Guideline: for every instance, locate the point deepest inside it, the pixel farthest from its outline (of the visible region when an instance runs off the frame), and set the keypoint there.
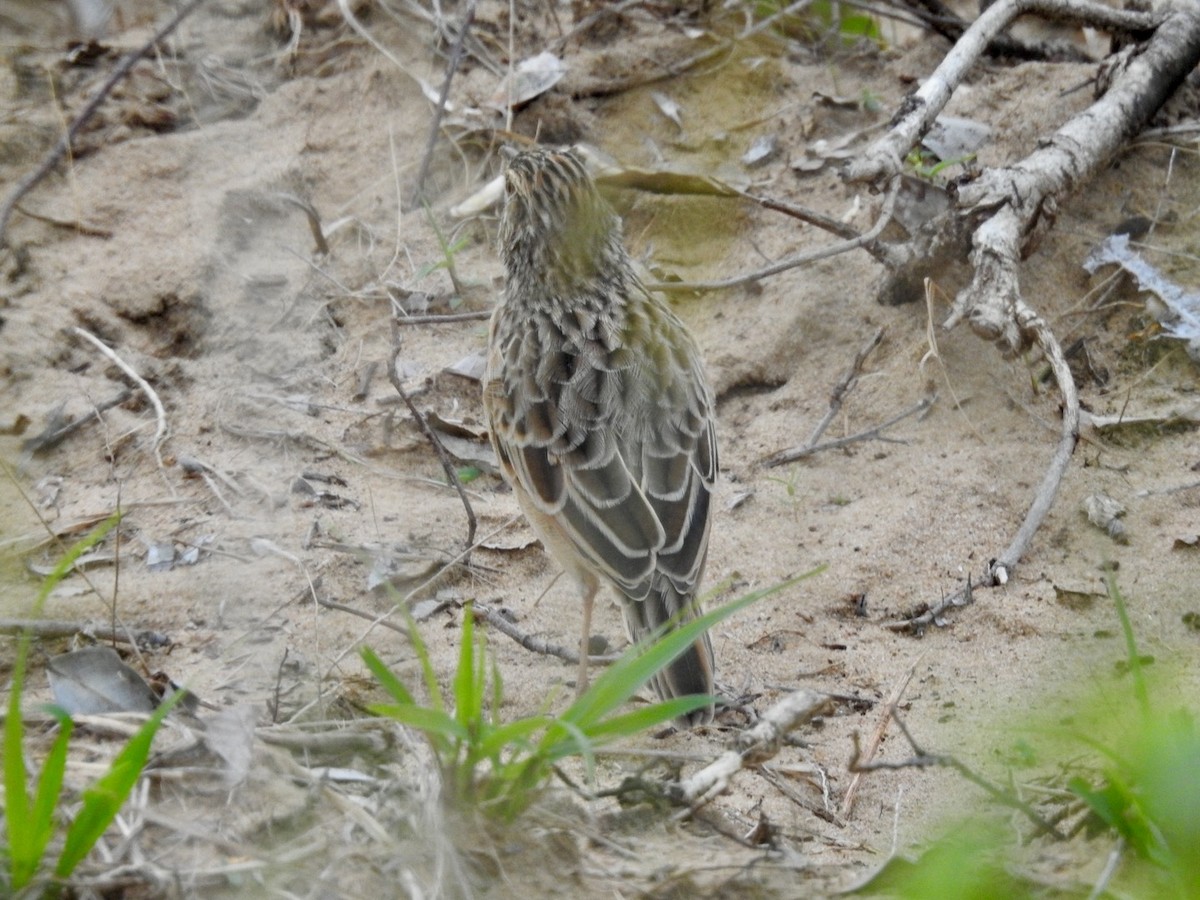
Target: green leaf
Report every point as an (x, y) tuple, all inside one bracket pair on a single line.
[(467, 474), (103, 799), (23, 861), (433, 722), (625, 677), (646, 717), (67, 563), (386, 677)]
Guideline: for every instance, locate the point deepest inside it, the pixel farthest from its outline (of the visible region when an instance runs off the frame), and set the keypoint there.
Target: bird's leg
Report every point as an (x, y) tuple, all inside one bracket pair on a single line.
[(589, 595)]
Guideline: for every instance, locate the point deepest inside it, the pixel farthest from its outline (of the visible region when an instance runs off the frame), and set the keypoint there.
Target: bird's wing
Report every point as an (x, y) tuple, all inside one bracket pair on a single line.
[(551, 403), (677, 444)]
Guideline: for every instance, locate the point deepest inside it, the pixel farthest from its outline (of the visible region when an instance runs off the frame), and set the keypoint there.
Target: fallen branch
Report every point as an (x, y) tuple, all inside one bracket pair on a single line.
[(919, 109), (1016, 202)]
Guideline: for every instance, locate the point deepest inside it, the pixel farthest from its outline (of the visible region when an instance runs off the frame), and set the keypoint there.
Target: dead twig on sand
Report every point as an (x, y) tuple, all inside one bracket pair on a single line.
[(836, 398), (921, 760), (964, 596), (456, 55), (58, 430), (752, 747), (501, 623), (889, 709), (394, 377), (871, 434), (435, 319), (63, 146), (866, 240), (161, 431), (59, 628)]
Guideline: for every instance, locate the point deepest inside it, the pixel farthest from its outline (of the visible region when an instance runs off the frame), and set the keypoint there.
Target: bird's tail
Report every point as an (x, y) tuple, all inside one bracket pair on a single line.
[(691, 672)]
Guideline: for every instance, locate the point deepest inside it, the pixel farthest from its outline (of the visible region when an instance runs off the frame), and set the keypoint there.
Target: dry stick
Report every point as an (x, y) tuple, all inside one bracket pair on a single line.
[(498, 621), (161, 432), (63, 146), (455, 59), (863, 240), (369, 616), (836, 398), (843, 387), (394, 377), (439, 319), (56, 628), (871, 434), (921, 759), (56, 432), (752, 747), (888, 711)]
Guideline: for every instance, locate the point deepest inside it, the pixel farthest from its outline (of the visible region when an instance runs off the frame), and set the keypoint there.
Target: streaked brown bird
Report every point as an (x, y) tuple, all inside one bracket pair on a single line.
[(600, 412)]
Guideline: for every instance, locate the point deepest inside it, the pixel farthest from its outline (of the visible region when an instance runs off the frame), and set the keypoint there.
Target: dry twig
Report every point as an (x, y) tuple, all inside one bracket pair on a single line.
[(394, 377), (161, 432), (752, 747), (501, 623), (865, 240), (921, 760), (455, 58), (57, 628), (889, 709), (871, 434)]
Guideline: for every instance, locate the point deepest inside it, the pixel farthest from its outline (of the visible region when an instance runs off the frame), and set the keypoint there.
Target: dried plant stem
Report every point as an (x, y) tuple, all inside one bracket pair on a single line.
[(161, 432), (443, 456), (885, 717), (752, 747)]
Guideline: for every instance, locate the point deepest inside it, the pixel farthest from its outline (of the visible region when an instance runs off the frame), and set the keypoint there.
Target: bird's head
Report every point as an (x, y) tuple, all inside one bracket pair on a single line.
[(556, 229)]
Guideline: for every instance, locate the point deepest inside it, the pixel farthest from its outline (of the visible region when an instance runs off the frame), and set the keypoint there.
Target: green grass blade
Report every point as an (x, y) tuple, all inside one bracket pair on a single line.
[(515, 734), (645, 717), (625, 677), (434, 723), (25, 844), (104, 798), (386, 677), (427, 673), (41, 822), (468, 694), (76, 550), (23, 861), (1140, 691)]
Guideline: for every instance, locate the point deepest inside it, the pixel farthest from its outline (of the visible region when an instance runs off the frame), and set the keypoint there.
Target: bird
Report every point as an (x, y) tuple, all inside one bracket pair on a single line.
[(600, 412)]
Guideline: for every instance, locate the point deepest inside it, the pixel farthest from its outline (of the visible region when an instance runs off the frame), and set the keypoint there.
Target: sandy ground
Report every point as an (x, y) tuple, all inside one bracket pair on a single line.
[(182, 249)]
